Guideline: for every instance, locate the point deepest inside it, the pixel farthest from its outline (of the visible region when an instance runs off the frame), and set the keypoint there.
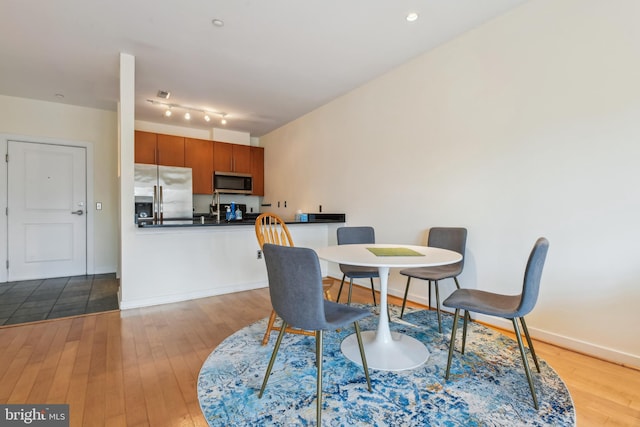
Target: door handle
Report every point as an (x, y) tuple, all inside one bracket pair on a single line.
[(78, 212)]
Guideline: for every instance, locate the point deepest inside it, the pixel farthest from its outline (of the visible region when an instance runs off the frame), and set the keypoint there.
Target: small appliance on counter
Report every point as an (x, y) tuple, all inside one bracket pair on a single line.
[(326, 217)]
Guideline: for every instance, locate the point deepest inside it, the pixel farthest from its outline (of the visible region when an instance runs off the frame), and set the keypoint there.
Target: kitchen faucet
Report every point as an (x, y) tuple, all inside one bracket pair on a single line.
[(215, 201)]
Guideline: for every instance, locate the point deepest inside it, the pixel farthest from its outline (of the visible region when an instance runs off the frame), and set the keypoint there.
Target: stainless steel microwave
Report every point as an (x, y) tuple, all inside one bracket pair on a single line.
[(230, 182)]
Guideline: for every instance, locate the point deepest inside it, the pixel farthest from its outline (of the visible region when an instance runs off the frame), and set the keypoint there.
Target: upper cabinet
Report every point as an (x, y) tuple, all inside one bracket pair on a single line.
[(204, 157), (257, 170), (159, 149), (145, 147), (170, 150), (198, 155), (231, 157)]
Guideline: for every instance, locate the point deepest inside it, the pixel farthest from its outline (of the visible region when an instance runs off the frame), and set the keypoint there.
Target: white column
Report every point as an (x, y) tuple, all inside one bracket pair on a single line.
[(126, 123)]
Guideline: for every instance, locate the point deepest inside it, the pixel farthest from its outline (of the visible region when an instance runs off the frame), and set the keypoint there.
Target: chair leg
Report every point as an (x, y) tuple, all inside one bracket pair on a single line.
[(340, 290), (533, 352), (327, 284), (319, 380), (525, 362), (373, 292), (429, 295), (350, 290), (438, 306), (457, 284), (464, 329), (362, 355), (272, 319), (452, 342), (273, 358), (406, 292)]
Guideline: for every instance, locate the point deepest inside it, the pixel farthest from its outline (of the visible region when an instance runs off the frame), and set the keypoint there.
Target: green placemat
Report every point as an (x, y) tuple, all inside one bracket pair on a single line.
[(394, 252)]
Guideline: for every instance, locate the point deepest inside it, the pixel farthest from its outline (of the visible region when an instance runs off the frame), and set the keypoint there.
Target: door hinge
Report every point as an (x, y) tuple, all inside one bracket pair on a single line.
[(7, 264), (6, 158)]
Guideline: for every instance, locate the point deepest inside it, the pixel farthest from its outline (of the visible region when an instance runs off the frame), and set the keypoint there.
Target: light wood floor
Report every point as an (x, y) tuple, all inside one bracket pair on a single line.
[(139, 367)]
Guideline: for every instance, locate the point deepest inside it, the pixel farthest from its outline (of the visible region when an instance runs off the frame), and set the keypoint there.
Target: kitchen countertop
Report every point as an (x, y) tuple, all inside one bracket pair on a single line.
[(211, 222)]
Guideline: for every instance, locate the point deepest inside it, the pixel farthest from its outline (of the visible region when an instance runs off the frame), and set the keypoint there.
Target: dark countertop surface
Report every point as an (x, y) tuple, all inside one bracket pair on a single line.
[(196, 221)]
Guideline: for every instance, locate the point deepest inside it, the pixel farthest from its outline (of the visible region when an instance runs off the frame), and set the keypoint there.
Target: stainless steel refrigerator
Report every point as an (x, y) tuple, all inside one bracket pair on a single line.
[(168, 188)]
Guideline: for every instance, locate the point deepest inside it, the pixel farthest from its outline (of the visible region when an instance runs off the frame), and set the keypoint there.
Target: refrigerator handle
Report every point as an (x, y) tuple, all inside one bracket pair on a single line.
[(155, 203), (161, 206)]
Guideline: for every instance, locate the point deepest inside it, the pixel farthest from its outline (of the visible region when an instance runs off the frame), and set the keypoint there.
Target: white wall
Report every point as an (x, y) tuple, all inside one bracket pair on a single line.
[(528, 126), (49, 121)]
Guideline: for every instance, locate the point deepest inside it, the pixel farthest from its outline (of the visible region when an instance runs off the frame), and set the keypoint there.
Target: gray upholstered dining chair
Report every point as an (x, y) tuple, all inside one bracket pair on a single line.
[(452, 238), (270, 228), (513, 307), (351, 236), (295, 287)]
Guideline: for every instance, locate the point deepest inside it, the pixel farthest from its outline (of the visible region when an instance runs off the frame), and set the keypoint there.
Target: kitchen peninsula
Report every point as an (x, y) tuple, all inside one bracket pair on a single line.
[(189, 261)]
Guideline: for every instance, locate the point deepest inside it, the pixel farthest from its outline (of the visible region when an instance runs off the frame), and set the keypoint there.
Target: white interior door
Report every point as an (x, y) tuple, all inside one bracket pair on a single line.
[(46, 215)]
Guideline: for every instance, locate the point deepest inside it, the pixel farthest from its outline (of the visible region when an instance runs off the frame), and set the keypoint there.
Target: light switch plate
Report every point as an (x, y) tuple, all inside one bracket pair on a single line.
[(98, 206)]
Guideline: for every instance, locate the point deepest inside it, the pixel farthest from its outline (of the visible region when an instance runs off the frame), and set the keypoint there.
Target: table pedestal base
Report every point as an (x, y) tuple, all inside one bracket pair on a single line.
[(402, 353)]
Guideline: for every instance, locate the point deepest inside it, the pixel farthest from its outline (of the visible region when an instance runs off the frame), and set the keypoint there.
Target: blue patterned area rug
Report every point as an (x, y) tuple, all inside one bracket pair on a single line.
[(487, 386)]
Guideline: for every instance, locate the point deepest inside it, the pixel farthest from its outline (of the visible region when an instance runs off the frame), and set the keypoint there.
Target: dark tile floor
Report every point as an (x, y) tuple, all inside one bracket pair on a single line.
[(33, 300)]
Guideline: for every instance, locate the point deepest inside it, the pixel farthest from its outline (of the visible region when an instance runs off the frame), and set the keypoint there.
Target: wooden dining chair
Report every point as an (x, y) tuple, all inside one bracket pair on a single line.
[(270, 228)]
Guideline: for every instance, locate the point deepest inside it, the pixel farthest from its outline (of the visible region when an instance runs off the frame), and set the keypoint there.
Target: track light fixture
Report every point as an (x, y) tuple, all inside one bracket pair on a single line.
[(206, 114)]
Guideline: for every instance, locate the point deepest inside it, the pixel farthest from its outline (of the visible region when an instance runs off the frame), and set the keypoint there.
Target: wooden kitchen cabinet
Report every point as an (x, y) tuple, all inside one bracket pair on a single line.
[(222, 157), (257, 170), (198, 155), (158, 149), (145, 147), (170, 150), (231, 157), (204, 157)]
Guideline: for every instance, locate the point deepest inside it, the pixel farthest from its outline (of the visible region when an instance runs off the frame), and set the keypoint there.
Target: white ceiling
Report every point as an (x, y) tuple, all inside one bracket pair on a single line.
[(272, 61)]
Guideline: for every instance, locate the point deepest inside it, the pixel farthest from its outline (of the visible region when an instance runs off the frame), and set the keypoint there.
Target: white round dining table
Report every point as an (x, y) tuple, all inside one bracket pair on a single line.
[(386, 350)]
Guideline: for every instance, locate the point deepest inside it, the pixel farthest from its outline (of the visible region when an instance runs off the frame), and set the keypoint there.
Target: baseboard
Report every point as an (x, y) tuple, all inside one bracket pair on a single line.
[(583, 347), (168, 299), (568, 343)]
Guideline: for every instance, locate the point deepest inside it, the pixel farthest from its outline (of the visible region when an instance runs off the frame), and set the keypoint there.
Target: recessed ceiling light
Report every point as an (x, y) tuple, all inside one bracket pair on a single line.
[(59, 96), (411, 17), (217, 22)]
